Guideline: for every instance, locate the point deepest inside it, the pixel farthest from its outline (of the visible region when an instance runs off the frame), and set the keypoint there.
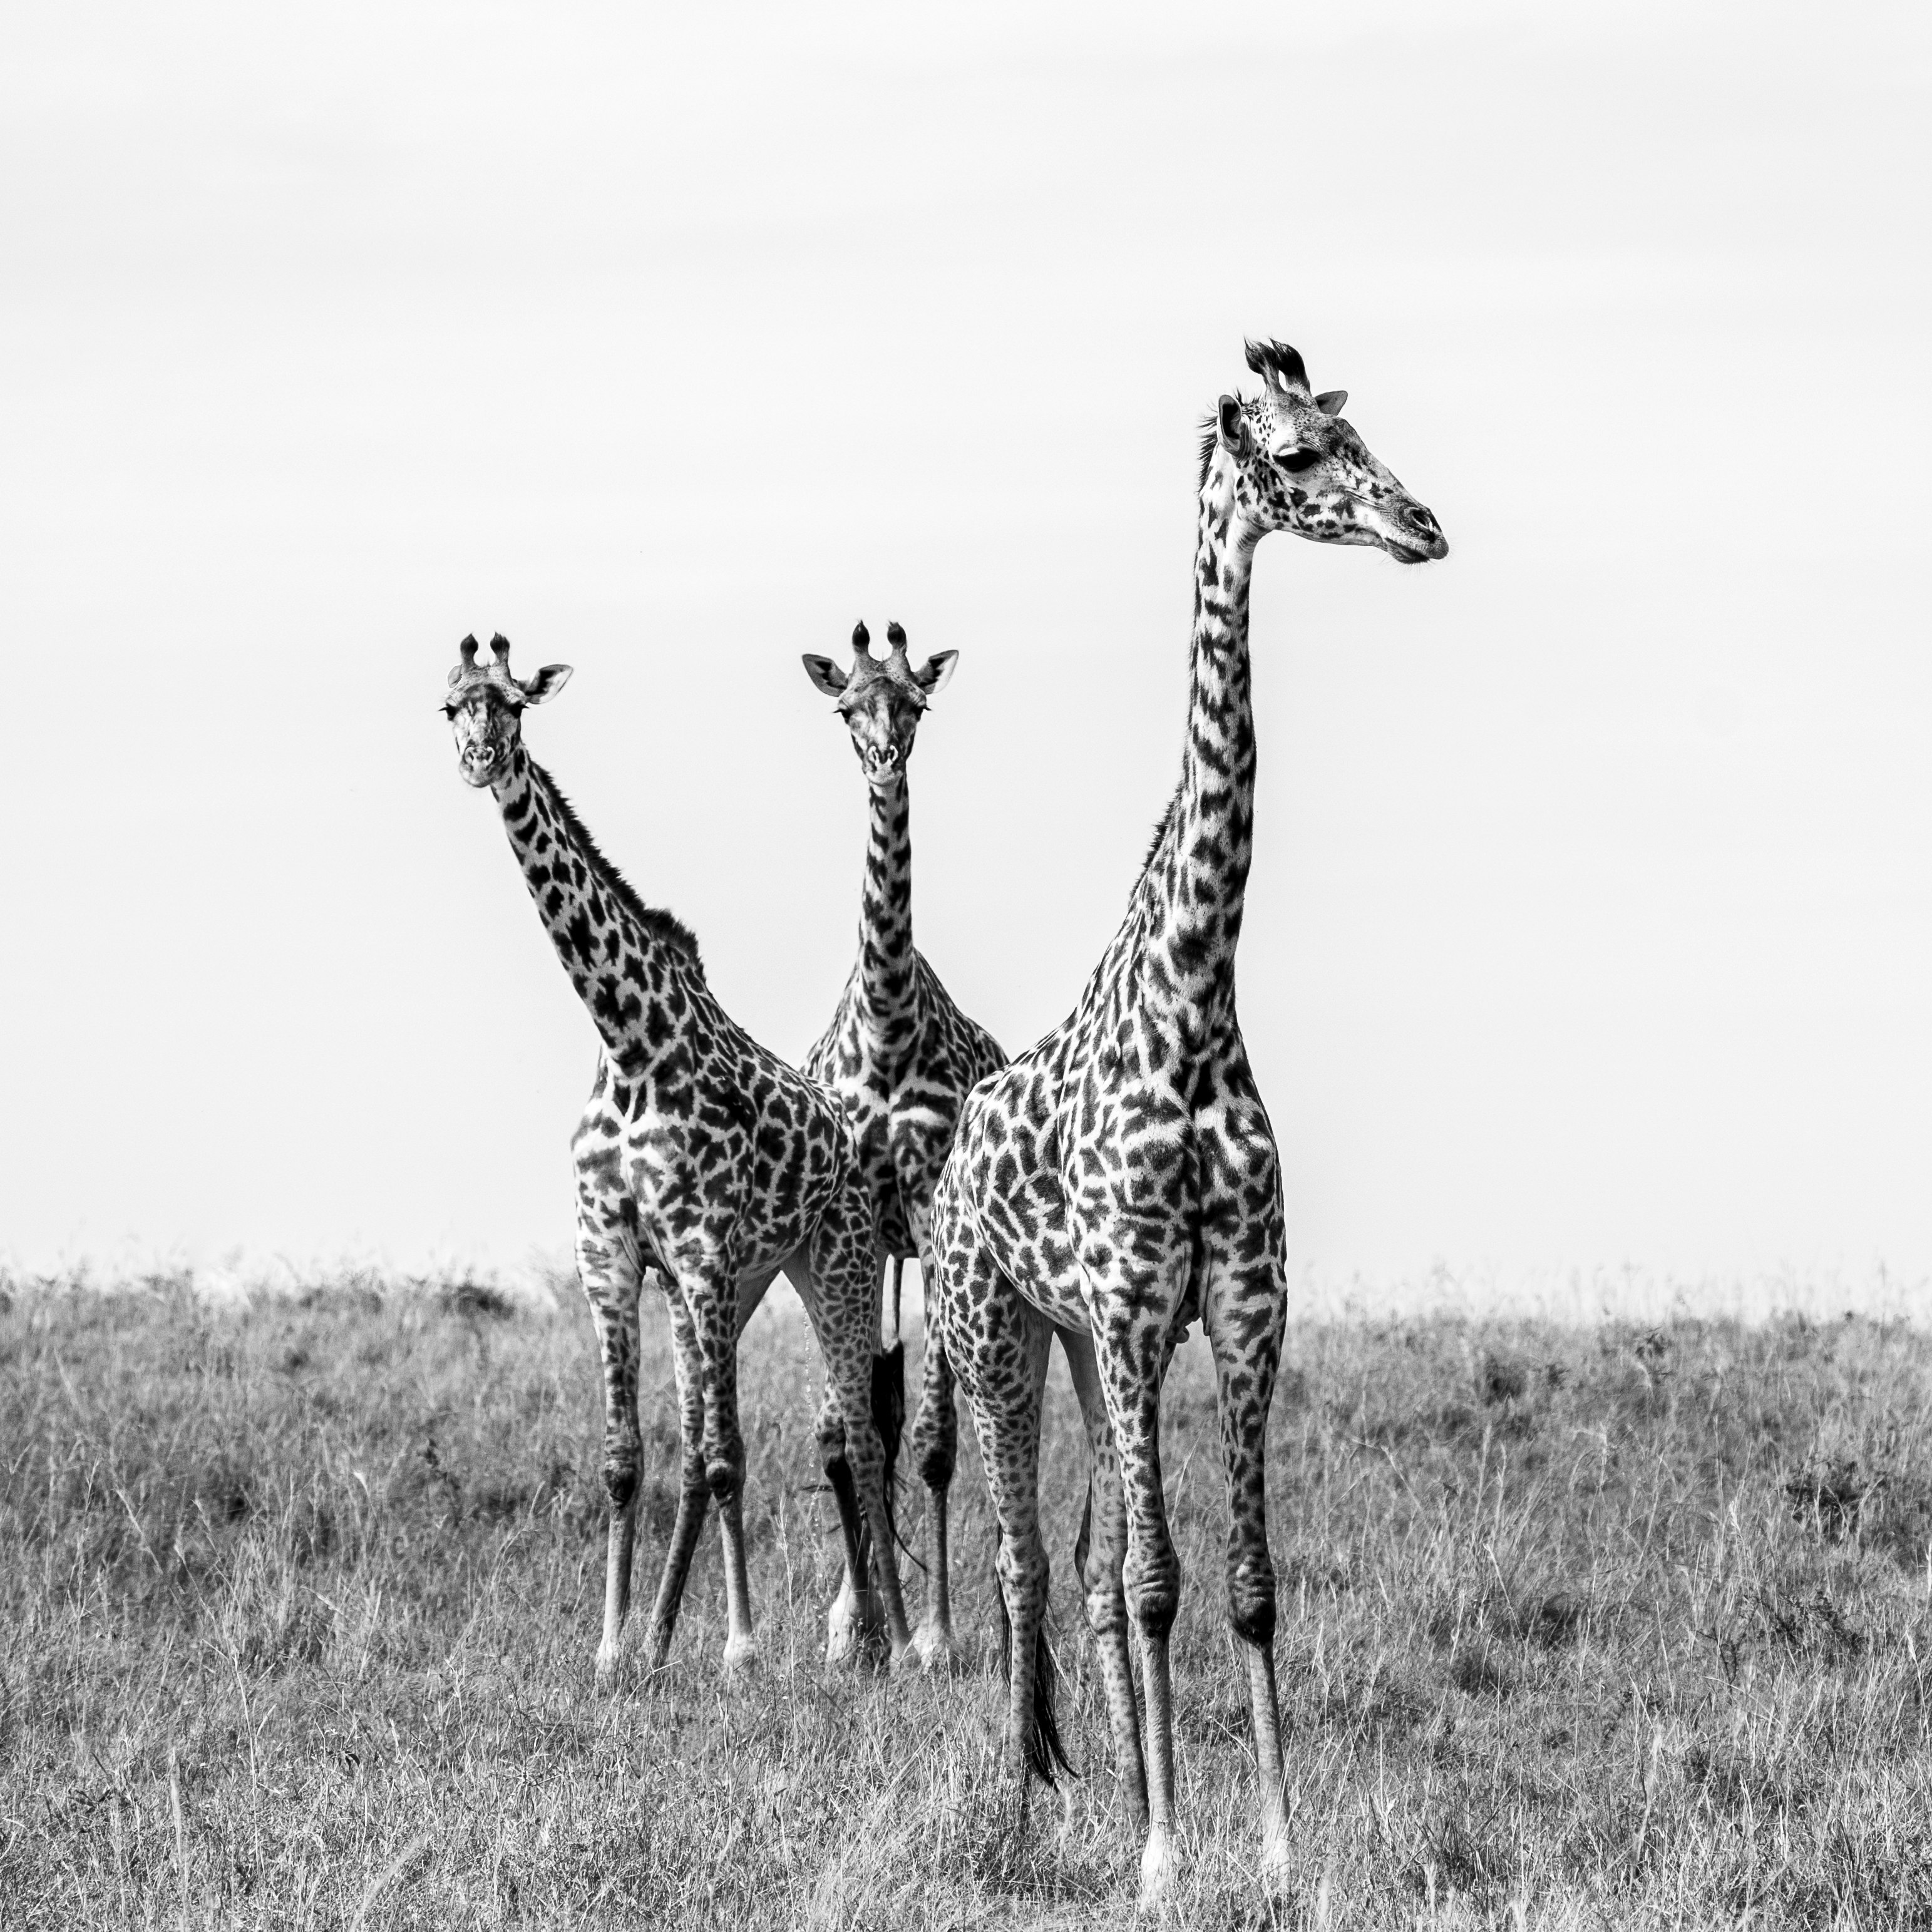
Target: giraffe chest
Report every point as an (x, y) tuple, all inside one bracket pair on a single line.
[(901, 1131), (902, 1075)]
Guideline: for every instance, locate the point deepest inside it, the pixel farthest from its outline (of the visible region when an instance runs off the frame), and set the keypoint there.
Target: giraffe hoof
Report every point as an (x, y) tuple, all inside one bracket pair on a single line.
[(1274, 1860), (937, 1651), (1160, 1865), (853, 1629), (741, 1656), (610, 1668)]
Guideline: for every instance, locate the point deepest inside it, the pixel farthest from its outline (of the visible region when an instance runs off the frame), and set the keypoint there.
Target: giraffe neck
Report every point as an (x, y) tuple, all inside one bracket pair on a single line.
[(623, 957), (1198, 874), (887, 974)]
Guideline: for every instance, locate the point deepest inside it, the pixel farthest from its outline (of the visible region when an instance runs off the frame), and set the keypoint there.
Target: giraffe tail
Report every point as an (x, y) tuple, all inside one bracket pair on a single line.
[(1041, 1748), (889, 1419)]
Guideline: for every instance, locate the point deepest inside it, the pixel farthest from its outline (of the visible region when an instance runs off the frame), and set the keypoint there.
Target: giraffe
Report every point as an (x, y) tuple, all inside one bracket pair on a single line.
[(701, 1158), (899, 1053), (1120, 1180)]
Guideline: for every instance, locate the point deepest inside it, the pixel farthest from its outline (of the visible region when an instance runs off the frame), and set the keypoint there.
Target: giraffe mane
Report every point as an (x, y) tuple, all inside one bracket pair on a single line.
[(1210, 434), (665, 927), (1160, 830)]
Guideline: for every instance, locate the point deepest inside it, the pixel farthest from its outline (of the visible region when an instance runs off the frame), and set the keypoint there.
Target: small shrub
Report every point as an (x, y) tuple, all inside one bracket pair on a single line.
[(1832, 1494), (477, 1301), (1473, 1670), (1501, 1380), (1553, 1620)]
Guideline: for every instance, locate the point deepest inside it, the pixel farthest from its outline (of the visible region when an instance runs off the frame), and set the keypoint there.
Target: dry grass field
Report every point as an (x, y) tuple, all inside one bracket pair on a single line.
[(1610, 1627)]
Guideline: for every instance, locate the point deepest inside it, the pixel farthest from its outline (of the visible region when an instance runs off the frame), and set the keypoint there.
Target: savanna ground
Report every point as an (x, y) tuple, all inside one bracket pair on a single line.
[(1613, 1626)]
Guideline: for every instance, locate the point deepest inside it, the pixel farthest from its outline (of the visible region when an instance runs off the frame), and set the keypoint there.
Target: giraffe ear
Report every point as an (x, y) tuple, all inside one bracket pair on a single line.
[(545, 686), (931, 677), (1332, 402), (825, 675), (1231, 424)]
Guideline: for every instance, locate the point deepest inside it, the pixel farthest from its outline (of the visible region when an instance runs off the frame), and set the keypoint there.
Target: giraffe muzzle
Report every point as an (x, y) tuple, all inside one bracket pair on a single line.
[(1422, 538)]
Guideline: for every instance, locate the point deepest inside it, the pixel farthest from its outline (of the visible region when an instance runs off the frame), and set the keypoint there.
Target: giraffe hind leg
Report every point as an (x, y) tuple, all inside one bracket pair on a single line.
[(1130, 1359), (996, 1346), (1098, 1556), (694, 1495)]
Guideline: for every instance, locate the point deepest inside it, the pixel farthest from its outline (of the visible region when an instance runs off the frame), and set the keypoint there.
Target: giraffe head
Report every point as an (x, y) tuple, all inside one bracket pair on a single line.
[(881, 698), (1298, 466), (485, 706)]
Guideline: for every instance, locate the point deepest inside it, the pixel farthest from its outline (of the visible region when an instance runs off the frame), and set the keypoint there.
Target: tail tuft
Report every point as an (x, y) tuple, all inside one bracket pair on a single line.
[(1044, 1749), (888, 1418)]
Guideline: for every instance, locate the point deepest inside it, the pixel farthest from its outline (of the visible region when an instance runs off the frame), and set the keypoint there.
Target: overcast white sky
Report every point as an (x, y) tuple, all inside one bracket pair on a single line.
[(1591, 921)]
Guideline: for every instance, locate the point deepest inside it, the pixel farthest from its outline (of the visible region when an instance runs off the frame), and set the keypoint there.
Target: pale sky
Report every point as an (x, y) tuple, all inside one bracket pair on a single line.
[(1591, 919)]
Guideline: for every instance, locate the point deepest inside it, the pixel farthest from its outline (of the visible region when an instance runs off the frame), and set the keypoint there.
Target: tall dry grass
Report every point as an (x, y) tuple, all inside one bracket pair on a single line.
[(1620, 1626)]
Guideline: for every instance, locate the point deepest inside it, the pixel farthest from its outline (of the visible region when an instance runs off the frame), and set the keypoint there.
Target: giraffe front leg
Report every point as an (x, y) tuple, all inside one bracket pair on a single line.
[(838, 1280), (710, 1291), (693, 1494), (1244, 1311), (935, 1446), (855, 1625), (610, 1278)]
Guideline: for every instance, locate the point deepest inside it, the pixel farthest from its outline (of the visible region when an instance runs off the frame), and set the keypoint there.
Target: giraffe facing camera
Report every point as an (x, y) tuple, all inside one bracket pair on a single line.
[(485, 704), (881, 699), (902, 1056), (705, 1165)]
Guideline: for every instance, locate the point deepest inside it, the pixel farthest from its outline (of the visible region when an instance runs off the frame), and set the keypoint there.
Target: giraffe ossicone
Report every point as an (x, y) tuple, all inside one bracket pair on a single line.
[(703, 1161), (902, 1056), (1120, 1180)]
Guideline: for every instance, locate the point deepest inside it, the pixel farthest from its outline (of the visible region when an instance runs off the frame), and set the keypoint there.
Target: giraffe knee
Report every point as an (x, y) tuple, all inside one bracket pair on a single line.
[(1156, 1594), (1021, 1568), (620, 1479), (1251, 1607), (935, 1451), (1155, 1608), (725, 1476)]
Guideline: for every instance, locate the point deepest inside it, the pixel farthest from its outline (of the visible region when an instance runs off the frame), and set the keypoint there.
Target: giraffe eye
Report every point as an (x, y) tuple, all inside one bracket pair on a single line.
[(1296, 460)]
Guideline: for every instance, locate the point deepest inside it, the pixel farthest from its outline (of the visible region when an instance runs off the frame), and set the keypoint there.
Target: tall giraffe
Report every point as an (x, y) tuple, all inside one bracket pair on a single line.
[(899, 1052), (1120, 1181), (704, 1159)]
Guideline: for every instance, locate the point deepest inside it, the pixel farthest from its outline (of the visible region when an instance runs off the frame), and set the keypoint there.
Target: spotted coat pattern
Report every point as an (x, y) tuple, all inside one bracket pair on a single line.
[(702, 1160), (1120, 1181), (899, 1052)]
